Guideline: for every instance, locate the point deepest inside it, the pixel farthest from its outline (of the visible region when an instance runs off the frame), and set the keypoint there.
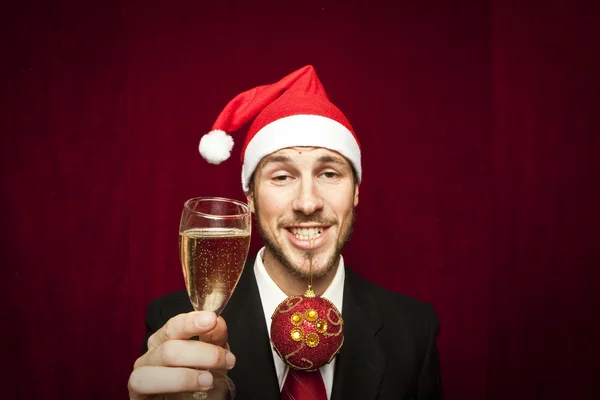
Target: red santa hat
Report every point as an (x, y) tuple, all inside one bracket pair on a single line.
[(292, 112)]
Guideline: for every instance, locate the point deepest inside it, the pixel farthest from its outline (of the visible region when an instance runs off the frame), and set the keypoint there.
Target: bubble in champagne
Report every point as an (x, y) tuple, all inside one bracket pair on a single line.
[(212, 261)]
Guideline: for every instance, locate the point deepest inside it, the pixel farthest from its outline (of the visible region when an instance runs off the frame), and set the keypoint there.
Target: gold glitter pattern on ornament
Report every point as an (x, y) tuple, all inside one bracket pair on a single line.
[(321, 326), (334, 320), (297, 334), (312, 340), (311, 315), (296, 319), (290, 303), (309, 364)]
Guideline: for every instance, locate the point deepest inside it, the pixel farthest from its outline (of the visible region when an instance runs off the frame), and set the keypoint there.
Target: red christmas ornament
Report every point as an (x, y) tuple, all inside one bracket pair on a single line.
[(307, 331)]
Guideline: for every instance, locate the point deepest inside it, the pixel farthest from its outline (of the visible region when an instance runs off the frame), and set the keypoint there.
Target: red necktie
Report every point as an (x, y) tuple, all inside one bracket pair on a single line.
[(302, 385)]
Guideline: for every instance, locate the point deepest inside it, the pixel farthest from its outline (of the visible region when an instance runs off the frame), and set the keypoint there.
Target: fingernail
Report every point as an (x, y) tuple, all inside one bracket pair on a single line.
[(205, 379), (230, 360), (203, 320)]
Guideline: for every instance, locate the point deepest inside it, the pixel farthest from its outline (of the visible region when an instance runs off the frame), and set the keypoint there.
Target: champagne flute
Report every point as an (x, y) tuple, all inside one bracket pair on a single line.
[(214, 237)]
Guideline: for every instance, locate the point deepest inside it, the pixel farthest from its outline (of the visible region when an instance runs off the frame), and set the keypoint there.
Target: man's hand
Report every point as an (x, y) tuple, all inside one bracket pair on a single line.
[(175, 364)]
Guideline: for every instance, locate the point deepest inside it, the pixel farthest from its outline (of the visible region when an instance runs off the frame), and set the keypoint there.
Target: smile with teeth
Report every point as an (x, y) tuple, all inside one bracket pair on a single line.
[(307, 233)]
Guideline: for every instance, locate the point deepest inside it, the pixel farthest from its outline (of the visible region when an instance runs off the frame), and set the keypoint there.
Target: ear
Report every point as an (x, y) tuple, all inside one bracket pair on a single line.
[(250, 198), (355, 194)]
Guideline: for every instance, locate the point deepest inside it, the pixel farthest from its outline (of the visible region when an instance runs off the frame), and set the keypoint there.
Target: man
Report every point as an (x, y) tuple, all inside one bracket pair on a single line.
[(301, 174)]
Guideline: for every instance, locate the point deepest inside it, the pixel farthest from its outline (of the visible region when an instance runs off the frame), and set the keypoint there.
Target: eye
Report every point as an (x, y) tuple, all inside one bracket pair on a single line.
[(330, 175), (281, 178)]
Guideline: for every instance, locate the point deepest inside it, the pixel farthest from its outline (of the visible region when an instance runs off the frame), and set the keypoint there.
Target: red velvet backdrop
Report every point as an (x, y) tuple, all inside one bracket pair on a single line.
[(479, 195)]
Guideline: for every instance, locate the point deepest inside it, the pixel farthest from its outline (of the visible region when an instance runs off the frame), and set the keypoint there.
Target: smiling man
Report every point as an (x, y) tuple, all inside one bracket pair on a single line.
[(306, 208), (301, 174)]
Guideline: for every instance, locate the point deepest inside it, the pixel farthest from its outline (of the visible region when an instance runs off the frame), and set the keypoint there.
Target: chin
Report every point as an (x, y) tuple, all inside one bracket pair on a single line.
[(322, 265), (297, 261)]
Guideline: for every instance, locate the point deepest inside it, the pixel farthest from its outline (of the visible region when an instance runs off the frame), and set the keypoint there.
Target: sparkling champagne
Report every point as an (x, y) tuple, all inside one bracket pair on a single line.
[(212, 261)]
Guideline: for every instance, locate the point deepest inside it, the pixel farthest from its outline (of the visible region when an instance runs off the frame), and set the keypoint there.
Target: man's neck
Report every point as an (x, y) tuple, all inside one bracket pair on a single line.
[(291, 284)]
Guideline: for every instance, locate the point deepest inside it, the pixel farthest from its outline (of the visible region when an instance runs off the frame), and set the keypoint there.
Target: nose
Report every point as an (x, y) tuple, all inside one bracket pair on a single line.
[(307, 200)]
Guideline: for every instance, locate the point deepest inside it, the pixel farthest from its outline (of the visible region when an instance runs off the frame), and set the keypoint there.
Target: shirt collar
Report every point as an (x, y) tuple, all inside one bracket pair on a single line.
[(271, 295)]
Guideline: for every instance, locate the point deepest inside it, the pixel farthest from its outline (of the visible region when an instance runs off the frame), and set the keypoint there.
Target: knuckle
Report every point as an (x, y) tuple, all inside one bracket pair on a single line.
[(156, 339), (168, 353), (186, 379), (190, 320), (216, 355), (168, 329), (138, 362), (135, 384), (152, 341)]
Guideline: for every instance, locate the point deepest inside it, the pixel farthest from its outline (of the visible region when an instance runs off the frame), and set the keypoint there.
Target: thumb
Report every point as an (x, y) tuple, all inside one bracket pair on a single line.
[(218, 335)]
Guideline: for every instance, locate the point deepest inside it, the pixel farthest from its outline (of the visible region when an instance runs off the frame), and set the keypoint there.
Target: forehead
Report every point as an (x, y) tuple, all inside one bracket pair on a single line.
[(304, 154)]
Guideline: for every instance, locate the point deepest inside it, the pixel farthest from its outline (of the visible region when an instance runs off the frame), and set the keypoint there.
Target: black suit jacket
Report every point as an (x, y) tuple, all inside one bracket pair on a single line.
[(389, 349)]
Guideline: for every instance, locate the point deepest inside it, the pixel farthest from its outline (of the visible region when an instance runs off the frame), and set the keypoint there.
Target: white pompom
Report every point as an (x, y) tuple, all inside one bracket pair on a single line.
[(216, 146)]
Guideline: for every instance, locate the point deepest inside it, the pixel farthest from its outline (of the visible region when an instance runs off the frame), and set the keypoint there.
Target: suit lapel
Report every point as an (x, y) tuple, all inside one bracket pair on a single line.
[(361, 362), (254, 373), (359, 366)]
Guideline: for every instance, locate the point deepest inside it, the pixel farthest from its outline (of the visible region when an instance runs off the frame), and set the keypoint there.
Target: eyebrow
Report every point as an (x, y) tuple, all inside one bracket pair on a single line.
[(331, 159), (285, 159), (276, 159)]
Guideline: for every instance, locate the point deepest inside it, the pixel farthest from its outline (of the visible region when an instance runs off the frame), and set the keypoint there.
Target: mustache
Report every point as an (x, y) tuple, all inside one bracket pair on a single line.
[(302, 218)]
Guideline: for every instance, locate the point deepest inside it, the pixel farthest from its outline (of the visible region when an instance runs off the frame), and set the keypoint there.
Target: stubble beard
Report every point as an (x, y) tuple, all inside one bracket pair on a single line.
[(279, 255)]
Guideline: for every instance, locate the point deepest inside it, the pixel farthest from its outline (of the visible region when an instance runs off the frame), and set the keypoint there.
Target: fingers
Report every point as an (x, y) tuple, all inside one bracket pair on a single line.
[(151, 380), (174, 364), (218, 335), (188, 353), (183, 326)]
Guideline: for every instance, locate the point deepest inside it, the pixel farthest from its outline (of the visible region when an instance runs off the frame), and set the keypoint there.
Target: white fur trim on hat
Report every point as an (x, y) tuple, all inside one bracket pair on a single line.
[(216, 146), (300, 130)]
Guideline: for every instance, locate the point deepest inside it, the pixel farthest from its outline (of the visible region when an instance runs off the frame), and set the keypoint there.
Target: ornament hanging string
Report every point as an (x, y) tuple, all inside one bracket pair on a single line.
[(307, 331), (310, 292)]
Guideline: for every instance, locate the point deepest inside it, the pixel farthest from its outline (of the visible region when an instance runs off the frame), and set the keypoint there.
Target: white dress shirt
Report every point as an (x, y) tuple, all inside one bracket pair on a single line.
[(271, 295)]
